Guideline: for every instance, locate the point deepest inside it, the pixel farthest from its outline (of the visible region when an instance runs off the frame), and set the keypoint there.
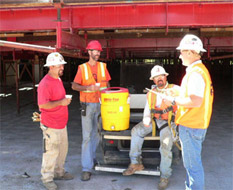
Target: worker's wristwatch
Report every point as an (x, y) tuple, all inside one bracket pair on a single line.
[(174, 102)]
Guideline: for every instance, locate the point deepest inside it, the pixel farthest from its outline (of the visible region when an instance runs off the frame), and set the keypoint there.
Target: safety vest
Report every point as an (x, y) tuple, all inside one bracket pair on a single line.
[(197, 117), (88, 79), (161, 112)]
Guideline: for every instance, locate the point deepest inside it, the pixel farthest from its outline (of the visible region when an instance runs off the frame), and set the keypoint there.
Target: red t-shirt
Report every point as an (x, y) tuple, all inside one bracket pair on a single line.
[(51, 89), (78, 79)]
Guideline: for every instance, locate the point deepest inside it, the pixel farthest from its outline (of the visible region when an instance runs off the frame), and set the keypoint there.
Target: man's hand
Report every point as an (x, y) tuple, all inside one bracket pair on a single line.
[(172, 92), (168, 100), (93, 88), (65, 101)]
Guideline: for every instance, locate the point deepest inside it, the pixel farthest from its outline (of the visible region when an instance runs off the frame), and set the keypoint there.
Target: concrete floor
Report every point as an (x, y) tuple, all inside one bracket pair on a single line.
[(21, 150)]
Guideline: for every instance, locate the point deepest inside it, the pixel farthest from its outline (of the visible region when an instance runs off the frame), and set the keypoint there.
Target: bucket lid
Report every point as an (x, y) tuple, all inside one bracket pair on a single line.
[(115, 90)]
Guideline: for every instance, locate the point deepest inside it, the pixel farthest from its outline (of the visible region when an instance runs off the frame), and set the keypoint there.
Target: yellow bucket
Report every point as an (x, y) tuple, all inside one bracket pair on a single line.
[(115, 109)]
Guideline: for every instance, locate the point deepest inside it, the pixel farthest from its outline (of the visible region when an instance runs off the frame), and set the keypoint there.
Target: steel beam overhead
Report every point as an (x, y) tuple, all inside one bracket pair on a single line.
[(123, 16)]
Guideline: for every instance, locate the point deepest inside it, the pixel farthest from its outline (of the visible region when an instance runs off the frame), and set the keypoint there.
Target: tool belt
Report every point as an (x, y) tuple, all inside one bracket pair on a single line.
[(171, 118), (170, 108)]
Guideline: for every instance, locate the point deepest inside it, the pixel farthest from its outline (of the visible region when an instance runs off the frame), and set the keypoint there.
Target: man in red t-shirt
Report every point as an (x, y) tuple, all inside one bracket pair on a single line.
[(90, 79), (53, 105)]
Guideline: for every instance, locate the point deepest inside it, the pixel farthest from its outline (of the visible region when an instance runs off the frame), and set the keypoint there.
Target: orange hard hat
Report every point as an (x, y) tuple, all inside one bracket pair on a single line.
[(95, 45)]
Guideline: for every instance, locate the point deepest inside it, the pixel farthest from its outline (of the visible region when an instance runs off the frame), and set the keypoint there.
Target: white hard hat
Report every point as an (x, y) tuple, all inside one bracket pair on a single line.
[(156, 71), (191, 42), (54, 58)]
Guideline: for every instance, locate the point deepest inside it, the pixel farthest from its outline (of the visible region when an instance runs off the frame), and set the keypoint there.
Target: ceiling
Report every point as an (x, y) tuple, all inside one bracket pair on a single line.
[(140, 29)]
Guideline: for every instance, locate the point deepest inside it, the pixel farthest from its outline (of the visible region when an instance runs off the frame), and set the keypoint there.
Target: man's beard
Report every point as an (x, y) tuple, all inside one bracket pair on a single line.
[(95, 57), (160, 83), (60, 73)]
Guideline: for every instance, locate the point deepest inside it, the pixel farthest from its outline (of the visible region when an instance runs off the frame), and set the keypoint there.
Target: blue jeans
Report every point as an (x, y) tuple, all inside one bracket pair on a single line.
[(90, 135), (137, 138), (191, 143)]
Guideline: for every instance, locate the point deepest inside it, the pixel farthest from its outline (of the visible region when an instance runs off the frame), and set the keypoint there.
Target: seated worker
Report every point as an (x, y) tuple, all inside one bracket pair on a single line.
[(153, 112)]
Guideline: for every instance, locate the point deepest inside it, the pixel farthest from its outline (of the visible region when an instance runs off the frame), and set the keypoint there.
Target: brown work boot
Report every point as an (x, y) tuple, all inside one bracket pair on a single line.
[(163, 183), (133, 168), (66, 176), (86, 176), (50, 185)]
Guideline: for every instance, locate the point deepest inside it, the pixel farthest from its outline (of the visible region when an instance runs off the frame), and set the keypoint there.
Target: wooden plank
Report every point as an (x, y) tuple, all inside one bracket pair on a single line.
[(120, 170), (115, 137)]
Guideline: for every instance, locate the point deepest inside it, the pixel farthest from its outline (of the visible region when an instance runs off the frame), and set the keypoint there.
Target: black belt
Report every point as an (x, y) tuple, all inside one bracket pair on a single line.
[(163, 126), (170, 108)]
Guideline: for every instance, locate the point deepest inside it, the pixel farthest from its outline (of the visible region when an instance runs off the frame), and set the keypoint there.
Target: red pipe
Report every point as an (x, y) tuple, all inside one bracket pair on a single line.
[(58, 46), (58, 28)]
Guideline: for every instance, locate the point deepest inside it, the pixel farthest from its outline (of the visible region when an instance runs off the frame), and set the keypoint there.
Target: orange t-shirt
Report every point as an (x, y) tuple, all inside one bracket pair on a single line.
[(78, 79)]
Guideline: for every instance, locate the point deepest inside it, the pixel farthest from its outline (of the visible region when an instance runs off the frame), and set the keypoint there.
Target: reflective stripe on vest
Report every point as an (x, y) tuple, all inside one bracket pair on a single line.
[(102, 69), (86, 71)]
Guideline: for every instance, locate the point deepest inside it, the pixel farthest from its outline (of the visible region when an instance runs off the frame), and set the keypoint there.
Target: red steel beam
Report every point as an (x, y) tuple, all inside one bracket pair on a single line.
[(72, 41), (201, 14), (222, 42)]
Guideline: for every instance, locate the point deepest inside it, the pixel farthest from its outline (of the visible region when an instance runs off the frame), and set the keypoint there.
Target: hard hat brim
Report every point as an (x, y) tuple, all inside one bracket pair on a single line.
[(151, 78), (182, 48), (94, 49), (48, 65)]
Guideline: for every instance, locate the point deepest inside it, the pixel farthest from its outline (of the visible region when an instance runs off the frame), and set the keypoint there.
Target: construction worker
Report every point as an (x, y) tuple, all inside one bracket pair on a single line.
[(155, 112), (194, 101), (54, 117), (91, 78)]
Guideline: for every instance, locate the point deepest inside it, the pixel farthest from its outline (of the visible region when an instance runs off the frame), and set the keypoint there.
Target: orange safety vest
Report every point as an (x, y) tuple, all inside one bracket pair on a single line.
[(88, 79), (161, 112), (197, 117)]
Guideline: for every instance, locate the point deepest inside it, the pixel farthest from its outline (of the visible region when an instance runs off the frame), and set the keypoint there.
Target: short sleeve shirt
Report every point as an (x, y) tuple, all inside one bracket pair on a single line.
[(51, 89), (196, 83)]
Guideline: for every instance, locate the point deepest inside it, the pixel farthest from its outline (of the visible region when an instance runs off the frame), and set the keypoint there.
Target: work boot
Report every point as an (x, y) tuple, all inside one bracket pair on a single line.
[(66, 176), (133, 168), (163, 183), (50, 185), (86, 176)]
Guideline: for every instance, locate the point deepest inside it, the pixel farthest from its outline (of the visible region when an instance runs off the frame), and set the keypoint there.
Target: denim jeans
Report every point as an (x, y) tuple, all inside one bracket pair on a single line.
[(90, 135), (191, 143), (137, 138)]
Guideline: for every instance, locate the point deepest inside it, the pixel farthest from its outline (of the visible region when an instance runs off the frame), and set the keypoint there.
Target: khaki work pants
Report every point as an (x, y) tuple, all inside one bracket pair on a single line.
[(55, 150)]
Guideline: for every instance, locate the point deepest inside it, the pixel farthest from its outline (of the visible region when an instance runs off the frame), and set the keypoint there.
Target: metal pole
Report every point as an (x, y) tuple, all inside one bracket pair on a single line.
[(16, 82), (34, 81), (58, 46), (4, 75)]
